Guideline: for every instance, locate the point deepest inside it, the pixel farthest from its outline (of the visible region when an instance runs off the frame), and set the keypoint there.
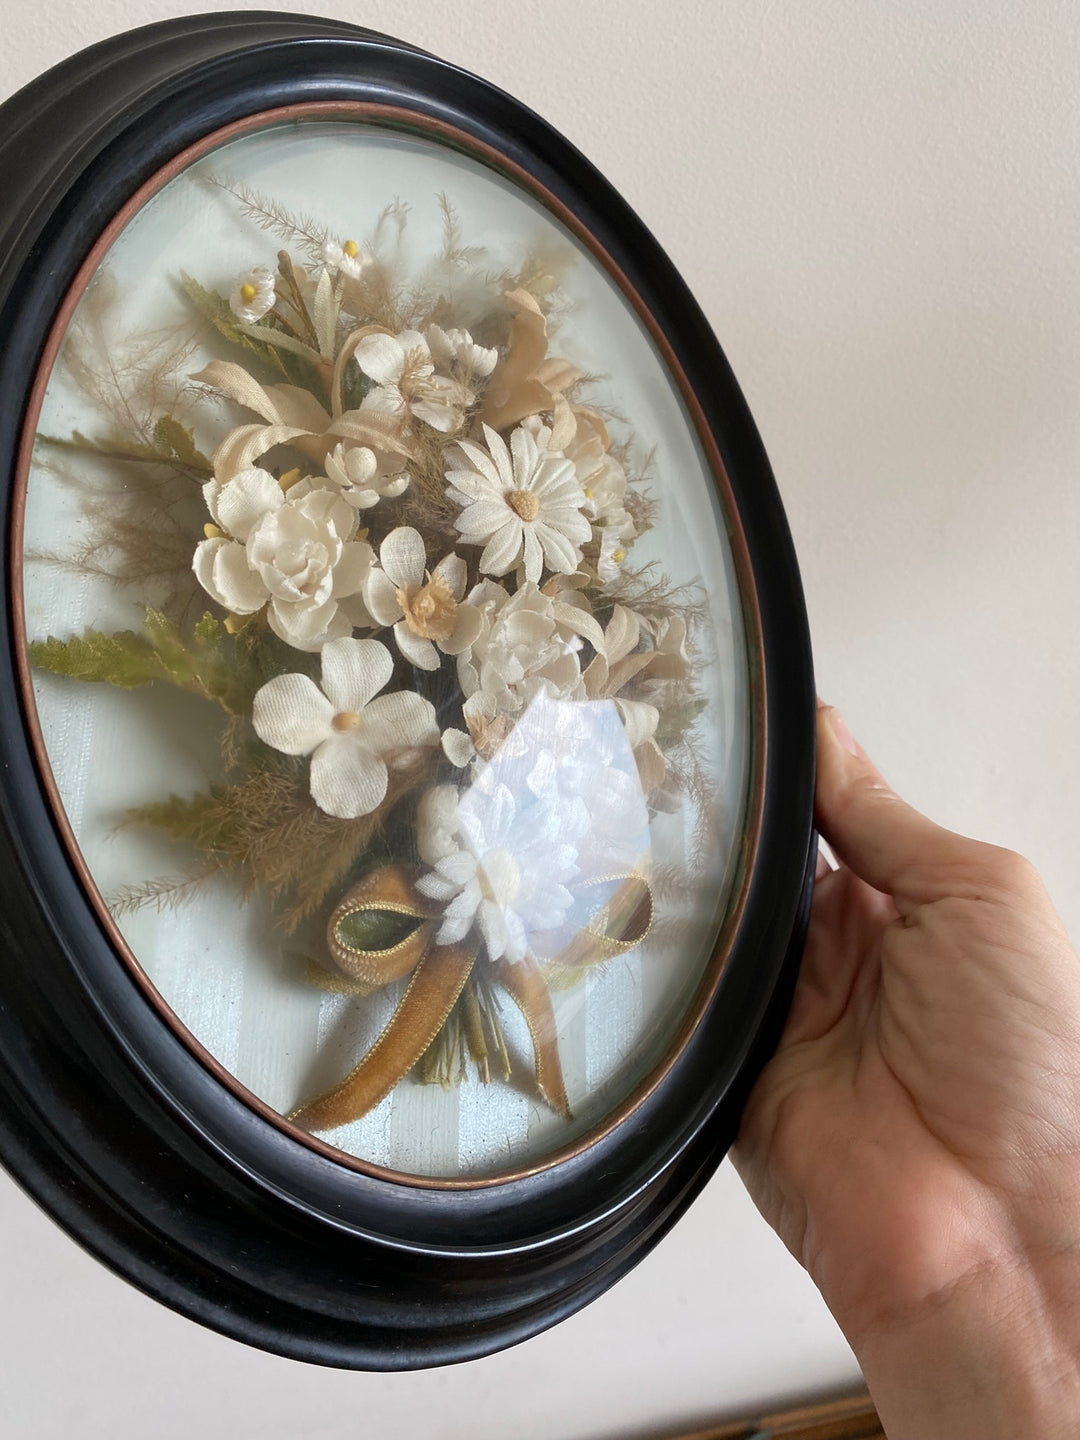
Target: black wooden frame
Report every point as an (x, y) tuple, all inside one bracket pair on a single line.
[(106, 1117)]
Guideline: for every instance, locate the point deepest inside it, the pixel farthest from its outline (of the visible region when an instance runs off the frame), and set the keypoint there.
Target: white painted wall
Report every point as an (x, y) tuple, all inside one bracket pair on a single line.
[(877, 205)]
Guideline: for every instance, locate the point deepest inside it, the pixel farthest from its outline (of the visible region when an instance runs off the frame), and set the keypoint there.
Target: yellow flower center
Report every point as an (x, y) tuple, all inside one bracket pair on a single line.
[(212, 532), (248, 293), (351, 249), (344, 721), (430, 610), (524, 503), (619, 556), (488, 735)]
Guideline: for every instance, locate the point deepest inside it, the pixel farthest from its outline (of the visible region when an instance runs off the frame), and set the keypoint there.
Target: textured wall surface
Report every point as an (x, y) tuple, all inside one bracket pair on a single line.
[(877, 206)]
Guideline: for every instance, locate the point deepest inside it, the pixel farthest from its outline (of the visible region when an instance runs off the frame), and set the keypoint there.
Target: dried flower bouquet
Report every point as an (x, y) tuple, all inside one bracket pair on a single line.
[(450, 700)]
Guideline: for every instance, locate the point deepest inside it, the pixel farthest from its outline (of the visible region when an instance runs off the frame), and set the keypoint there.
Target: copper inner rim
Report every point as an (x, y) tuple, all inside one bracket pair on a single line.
[(397, 117)]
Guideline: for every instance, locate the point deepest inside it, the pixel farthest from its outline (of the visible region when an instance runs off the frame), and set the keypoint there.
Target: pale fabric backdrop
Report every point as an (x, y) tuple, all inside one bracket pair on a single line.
[(877, 206)]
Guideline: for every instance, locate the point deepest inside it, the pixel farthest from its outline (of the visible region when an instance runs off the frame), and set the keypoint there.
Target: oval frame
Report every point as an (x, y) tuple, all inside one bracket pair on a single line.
[(235, 1223)]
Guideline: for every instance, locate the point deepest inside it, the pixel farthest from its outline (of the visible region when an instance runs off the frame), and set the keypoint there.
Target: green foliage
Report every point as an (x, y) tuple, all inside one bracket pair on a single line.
[(126, 659), (177, 442), (208, 663), (277, 363), (173, 445)]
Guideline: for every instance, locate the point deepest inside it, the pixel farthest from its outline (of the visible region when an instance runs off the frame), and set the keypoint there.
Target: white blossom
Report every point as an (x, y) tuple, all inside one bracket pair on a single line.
[(292, 552), (611, 556), (424, 608), (456, 352), (350, 731), (364, 479), (506, 876), (252, 295), (406, 383), (523, 504), (346, 259)]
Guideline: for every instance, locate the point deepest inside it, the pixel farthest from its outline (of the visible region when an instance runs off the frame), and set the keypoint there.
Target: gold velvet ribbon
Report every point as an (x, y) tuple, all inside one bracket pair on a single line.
[(384, 929)]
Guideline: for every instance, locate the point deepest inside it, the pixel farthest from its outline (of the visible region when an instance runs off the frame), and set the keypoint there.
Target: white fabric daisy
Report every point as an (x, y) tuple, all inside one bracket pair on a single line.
[(252, 295), (346, 259), (506, 876), (424, 609), (347, 727), (522, 503)]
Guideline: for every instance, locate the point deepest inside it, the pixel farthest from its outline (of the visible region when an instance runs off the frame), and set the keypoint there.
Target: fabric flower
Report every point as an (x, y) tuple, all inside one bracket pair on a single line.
[(346, 259), (362, 478), (519, 503), (508, 876), (406, 383), (456, 352), (424, 609), (526, 646), (294, 551), (252, 295), (611, 556), (347, 727)]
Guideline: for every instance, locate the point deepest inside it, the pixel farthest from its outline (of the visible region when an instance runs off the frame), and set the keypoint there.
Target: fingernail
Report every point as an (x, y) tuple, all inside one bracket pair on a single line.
[(841, 731)]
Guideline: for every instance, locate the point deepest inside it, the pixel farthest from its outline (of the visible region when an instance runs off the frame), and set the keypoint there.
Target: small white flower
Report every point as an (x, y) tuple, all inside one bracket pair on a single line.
[(612, 554), (522, 504), (346, 259), (527, 645), (363, 481), (406, 383), (508, 876), (347, 727), (436, 823), (424, 609), (458, 353), (252, 295), (293, 551)]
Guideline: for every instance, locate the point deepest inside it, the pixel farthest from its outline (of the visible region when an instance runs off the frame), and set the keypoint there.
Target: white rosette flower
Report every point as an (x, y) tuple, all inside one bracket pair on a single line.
[(457, 353), (424, 609), (362, 478), (523, 504), (346, 259), (348, 728), (528, 644), (293, 553), (406, 383), (505, 874), (253, 295)]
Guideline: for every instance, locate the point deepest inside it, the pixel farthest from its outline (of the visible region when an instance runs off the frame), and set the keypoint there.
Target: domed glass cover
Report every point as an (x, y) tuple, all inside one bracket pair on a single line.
[(388, 647)]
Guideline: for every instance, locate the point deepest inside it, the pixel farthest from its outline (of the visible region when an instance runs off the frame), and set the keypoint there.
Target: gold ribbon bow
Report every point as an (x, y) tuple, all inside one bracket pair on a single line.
[(384, 929)]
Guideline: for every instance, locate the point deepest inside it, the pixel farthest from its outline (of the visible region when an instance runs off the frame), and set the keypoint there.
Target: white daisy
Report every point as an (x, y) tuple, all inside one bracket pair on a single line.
[(346, 259), (505, 875), (522, 503), (424, 608), (347, 728), (253, 295)]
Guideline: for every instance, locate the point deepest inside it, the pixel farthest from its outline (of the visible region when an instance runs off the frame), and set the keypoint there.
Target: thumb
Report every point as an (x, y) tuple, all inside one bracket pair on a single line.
[(877, 835)]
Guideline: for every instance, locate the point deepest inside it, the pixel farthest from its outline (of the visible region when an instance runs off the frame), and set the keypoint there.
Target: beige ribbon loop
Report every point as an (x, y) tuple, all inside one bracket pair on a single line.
[(382, 927)]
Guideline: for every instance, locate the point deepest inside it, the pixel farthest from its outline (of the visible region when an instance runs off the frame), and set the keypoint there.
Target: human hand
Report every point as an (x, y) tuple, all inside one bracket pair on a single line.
[(916, 1139)]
